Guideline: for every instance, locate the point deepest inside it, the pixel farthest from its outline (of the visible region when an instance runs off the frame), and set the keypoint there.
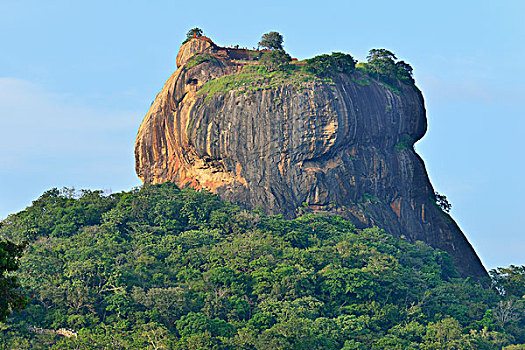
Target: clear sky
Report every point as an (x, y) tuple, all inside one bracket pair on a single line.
[(77, 77)]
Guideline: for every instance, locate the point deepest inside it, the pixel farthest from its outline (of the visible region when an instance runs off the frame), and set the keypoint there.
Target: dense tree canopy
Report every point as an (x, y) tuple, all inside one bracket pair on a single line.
[(162, 268)]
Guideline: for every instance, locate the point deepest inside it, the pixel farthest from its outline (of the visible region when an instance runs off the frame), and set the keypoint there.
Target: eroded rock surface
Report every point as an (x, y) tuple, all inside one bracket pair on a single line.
[(344, 148)]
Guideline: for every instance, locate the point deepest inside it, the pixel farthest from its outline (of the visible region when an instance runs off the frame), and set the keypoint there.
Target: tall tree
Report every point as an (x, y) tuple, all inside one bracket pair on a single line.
[(271, 41), (382, 63)]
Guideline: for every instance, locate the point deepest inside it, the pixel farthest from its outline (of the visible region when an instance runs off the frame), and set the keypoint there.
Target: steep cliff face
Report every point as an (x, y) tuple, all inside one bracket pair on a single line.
[(343, 146)]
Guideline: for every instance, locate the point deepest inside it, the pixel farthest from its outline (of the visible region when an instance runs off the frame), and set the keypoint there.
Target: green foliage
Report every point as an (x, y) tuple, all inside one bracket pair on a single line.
[(442, 201), (200, 58), (362, 82), (405, 143), (194, 32), (11, 295), (509, 281), (274, 59), (367, 197), (162, 267), (59, 213), (381, 64), (272, 41), (330, 65), (509, 312)]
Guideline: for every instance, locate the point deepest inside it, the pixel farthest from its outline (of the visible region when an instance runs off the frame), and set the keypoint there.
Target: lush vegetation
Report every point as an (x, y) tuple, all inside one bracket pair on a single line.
[(161, 268), (382, 65), (276, 69)]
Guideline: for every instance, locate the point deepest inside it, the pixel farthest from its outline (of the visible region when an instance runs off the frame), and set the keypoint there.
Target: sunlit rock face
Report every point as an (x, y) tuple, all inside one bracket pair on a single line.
[(341, 147)]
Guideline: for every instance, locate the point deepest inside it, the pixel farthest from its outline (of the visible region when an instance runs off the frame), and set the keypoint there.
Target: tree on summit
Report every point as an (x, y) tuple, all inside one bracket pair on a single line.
[(276, 57), (382, 65), (271, 41), (194, 32)]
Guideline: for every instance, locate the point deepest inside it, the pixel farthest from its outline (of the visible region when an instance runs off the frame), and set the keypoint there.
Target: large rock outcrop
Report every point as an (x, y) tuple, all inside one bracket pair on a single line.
[(344, 147)]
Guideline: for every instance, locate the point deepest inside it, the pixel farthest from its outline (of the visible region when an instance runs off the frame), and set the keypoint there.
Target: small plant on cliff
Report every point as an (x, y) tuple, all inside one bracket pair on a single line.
[(406, 142), (442, 202), (367, 197), (271, 41)]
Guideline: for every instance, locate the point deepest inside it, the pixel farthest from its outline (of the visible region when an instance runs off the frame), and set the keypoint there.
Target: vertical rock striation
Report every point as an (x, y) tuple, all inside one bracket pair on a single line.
[(344, 147)]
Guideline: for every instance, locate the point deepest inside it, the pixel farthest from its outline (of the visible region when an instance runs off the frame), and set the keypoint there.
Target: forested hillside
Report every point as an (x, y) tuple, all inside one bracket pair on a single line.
[(164, 268)]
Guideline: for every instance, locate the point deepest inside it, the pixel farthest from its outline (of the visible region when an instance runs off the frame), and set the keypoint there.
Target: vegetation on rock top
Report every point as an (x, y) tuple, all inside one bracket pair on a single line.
[(381, 65), (272, 41), (329, 65), (193, 33)]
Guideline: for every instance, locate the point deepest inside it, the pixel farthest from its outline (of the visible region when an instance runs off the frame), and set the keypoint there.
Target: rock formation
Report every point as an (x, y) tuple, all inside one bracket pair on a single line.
[(339, 146)]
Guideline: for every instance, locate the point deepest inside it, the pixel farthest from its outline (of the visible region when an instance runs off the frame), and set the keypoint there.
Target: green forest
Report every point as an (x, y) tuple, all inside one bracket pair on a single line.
[(166, 268)]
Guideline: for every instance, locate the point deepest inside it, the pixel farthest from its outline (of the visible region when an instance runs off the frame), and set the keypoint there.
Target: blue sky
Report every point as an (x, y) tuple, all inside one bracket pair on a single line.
[(76, 79)]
